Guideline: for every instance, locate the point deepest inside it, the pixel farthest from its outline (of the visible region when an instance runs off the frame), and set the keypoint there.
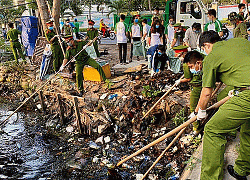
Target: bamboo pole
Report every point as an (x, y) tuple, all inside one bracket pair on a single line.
[(158, 159), (177, 129), (161, 99)]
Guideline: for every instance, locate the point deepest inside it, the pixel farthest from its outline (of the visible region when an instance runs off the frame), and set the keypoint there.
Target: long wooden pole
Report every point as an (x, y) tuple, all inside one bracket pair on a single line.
[(161, 99), (177, 129), (162, 154), (173, 141), (26, 100)]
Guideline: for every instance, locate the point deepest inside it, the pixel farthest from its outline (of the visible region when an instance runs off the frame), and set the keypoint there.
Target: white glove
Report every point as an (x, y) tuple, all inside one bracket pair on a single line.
[(177, 82), (189, 49), (231, 93), (191, 115), (61, 68), (202, 114)]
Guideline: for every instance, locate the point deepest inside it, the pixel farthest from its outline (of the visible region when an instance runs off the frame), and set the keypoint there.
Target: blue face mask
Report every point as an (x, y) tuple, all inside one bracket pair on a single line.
[(157, 26), (136, 20), (193, 71), (51, 28), (160, 53)]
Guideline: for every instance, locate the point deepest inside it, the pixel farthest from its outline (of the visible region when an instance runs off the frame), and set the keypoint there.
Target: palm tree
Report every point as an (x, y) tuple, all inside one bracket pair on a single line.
[(117, 7)]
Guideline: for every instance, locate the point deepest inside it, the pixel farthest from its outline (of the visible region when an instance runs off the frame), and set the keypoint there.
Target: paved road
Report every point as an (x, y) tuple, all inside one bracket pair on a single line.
[(108, 41)]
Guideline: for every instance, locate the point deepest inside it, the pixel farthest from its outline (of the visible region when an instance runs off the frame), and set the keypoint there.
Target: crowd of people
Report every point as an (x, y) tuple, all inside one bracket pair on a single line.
[(225, 61)]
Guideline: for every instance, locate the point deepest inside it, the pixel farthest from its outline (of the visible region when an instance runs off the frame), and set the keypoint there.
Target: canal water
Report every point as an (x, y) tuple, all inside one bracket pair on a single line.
[(23, 154)]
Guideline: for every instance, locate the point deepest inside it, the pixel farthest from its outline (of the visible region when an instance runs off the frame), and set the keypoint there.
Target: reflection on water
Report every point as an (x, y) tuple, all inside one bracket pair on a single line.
[(22, 156)]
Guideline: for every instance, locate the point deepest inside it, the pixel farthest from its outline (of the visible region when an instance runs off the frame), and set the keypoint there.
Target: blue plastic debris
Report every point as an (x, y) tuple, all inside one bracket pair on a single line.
[(112, 96), (29, 33)]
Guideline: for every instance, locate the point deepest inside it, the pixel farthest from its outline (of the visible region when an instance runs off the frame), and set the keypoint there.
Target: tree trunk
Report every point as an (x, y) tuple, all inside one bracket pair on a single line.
[(43, 11), (56, 12), (90, 11), (149, 5)]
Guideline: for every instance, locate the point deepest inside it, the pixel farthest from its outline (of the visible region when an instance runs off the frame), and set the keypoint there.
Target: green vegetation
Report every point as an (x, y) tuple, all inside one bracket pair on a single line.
[(180, 117), (149, 91)]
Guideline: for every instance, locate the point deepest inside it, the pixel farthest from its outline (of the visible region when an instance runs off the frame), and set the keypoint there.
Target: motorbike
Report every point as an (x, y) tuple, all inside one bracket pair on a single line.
[(108, 34), (225, 32)]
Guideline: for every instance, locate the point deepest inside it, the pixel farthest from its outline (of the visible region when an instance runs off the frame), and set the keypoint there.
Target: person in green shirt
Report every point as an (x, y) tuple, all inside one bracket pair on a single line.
[(67, 29), (76, 29), (214, 23), (52, 38), (240, 30), (74, 47), (192, 67), (91, 34), (15, 45), (229, 62)]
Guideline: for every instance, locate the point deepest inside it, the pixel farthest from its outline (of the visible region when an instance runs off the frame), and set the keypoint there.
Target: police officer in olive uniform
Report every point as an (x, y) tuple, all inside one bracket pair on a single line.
[(228, 61), (67, 29), (91, 34), (15, 45), (52, 38), (192, 67), (75, 46)]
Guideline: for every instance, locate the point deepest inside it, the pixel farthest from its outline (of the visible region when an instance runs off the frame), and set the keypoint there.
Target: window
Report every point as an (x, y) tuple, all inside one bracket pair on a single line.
[(191, 8)]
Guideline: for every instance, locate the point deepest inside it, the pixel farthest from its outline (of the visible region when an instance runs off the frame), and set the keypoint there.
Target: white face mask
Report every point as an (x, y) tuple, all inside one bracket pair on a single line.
[(67, 23), (244, 10)]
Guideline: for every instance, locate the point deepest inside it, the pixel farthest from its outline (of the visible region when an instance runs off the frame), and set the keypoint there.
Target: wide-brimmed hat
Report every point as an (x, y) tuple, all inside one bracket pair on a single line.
[(67, 36), (177, 24)]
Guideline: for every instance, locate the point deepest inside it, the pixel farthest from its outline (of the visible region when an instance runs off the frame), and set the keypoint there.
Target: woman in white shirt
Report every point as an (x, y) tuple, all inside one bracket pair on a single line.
[(155, 39)]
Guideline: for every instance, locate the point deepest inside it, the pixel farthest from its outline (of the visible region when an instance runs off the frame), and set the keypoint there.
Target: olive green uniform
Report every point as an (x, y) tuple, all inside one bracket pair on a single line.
[(67, 30), (92, 33), (232, 68), (196, 86), (15, 45), (56, 49), (240, 31), (81, 60)]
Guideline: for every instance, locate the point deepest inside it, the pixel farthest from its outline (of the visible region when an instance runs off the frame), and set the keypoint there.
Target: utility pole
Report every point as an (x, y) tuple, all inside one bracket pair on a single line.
[(44, 13)]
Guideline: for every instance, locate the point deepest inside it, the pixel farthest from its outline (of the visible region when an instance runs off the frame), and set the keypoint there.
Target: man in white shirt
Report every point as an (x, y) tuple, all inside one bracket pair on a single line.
[(121, 30), (192, 36)]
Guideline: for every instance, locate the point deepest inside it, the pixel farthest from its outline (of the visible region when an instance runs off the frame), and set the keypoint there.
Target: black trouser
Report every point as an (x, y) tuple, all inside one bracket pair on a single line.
[(122, 56), (77, 35), (134, 39), (156, 62)]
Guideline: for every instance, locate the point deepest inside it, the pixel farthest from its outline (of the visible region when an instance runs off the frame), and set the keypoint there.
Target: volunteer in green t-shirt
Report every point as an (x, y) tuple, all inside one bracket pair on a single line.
[(76, 29), (214, 23), (229, 62), (192, 68)]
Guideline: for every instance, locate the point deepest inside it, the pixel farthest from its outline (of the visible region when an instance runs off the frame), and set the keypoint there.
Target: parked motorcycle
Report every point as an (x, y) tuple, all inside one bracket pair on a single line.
[(225, 32)]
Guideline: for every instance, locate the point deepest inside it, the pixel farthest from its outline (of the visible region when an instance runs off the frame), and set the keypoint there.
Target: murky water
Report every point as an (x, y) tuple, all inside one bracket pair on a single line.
[(23, 155)]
